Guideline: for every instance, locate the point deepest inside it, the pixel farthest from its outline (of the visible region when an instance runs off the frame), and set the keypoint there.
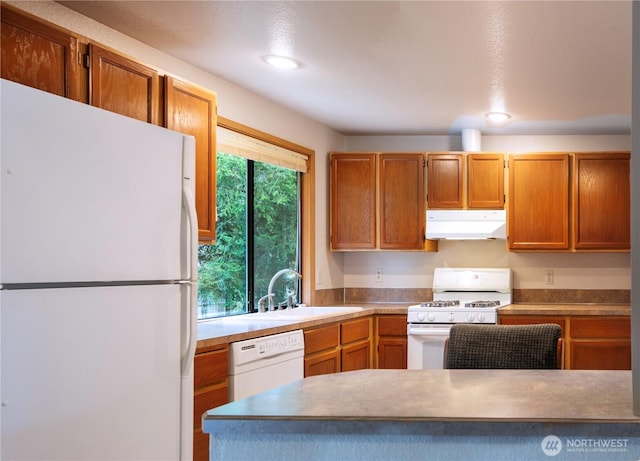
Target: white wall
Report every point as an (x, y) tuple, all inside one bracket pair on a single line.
[(403, 269)]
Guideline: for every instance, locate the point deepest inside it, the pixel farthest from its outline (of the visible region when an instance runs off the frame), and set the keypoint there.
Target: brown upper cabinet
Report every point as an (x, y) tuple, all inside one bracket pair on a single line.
[(124, 86), (445, 180), (191, 110), (485, 184), (39, 55), (377, 201), (538, 217), (353, 201), (601, 204), (569, 202), (402, 220), (457, 180)]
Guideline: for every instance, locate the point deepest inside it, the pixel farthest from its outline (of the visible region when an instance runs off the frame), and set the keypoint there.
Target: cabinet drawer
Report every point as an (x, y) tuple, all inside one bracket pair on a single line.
[(208, 399), (610, 328), (321, 338), (531, 319), (210, 367), (392, 325), (355, 330)]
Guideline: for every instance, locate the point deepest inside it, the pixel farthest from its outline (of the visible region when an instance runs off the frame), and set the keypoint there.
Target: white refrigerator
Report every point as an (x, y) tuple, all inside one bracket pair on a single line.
[(98, 270)]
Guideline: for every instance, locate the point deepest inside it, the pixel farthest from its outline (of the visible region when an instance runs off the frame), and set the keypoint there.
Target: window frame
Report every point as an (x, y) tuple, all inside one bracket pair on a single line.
[(307, 202)]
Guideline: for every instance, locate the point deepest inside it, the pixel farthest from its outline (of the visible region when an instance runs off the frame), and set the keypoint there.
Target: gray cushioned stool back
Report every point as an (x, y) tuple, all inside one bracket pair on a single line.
[(503, 346)]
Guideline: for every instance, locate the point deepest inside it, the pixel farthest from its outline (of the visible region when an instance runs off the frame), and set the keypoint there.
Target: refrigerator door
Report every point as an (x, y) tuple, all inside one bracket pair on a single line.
[(87, 195), (93, 373)]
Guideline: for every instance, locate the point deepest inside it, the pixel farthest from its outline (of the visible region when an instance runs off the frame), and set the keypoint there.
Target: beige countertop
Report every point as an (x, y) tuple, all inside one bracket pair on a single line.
[(229, 329), (566, 309), (225, 330)]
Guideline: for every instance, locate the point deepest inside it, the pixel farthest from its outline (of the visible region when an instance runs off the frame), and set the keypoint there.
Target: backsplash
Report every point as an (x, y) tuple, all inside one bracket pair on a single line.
[(337, 296), (545, 296)]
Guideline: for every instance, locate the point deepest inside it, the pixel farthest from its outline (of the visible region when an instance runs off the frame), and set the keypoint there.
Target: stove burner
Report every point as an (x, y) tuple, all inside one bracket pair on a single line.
[(440, 303), (483, 304)]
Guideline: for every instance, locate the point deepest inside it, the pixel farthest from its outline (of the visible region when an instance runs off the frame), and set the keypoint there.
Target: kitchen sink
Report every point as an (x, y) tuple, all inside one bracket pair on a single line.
[(297, 314)]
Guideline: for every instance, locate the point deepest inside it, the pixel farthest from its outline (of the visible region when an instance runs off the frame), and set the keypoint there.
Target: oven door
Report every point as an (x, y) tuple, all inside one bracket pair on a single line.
[(425, 348)]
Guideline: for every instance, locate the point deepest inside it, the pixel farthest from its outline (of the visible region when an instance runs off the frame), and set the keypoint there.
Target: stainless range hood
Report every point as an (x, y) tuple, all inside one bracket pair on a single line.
[(466, 224)]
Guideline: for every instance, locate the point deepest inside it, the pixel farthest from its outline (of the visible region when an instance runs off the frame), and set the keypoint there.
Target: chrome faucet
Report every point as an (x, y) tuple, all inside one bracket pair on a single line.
[(270, 293)]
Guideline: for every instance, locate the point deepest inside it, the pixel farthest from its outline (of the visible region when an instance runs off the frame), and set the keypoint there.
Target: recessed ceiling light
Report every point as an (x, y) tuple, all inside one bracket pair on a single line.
[(281, 62), (497, 117)]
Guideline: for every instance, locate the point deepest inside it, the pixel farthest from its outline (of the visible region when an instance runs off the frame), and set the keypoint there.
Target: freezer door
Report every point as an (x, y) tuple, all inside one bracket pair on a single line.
[(87, 195), (93, 374)]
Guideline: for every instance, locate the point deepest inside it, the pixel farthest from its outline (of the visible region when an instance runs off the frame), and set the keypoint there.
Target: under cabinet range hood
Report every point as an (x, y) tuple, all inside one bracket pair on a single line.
[(466, 224)]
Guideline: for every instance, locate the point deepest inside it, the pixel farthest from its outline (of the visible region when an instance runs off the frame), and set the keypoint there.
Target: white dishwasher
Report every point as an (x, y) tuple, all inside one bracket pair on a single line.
[(260, 364)]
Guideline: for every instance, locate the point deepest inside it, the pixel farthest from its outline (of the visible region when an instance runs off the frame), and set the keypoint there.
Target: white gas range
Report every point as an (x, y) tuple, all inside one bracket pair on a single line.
[(460, 295)]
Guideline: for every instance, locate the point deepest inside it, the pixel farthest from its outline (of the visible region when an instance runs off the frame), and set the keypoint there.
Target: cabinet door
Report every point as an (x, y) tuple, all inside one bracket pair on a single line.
[(485, 187), (601, 206), (600, 355), (39, 55), (322, 364), (445, 181), (353, 201), (401, 201), (124, 86), (192, 110), (539, 202), (356, 356)]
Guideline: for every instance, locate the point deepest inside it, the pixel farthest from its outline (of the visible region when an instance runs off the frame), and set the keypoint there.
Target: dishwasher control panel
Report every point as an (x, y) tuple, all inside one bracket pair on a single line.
[(267, 346)]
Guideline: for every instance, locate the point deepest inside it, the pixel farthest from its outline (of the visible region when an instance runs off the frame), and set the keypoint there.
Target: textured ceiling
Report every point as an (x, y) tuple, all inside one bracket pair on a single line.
[(419, 67)]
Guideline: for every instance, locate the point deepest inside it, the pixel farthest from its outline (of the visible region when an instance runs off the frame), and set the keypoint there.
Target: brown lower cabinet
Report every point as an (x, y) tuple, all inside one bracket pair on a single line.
[(338, 347), (600, 343), (391, 338), (355, 343), (321, 354), (590, 342), (210, 389)]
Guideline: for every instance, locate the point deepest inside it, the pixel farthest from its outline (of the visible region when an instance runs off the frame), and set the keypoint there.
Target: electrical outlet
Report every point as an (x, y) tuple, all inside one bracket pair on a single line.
[(548, 277), (319, 278), (378, 274)]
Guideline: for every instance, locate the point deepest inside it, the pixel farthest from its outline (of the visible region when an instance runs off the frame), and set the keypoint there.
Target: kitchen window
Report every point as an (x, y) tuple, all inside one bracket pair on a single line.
[(258, 228)]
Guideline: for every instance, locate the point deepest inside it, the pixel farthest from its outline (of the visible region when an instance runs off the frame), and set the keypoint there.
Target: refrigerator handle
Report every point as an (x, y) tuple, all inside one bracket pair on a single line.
[(189, 204), (192, 297), (191, 253), (190, 327), (192, 241)]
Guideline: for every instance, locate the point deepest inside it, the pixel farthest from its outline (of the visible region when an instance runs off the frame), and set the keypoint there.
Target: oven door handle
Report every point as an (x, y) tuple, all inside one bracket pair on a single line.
[(417, 331)]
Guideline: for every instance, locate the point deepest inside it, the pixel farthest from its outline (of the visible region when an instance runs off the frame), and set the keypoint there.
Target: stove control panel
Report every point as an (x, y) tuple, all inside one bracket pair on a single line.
[(475, 315)]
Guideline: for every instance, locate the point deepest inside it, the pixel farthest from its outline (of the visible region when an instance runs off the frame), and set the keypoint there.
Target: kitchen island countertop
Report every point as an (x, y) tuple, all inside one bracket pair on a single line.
[(504, 412)]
